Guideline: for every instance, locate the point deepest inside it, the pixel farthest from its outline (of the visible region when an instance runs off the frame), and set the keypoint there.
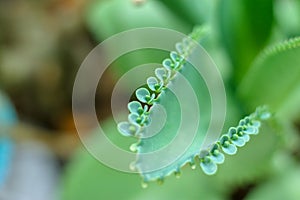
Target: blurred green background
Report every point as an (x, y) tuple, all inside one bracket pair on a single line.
[(43, 43)]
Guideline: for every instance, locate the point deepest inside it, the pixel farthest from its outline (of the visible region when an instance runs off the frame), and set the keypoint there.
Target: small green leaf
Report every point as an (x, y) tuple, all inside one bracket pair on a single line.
[(135, 107), (218, 157), (238, 141), (127, 129), (147, 120), (256, 123), (232, 131), (135, 119), (235, 139), (251, 130), (175, 57), (179, 48), (143, 95), (265, 116), (230, 149), (242, 122), (186, 42), (243, 135), (227, 147), (168, 64), (162, 74), (246, 137), (153, 84), (208, 166)]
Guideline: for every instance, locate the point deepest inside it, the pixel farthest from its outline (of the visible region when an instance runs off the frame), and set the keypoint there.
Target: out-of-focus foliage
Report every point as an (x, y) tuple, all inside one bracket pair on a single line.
[(288, 17), (282, 185), (245, 27), (106, 18), (278, 65), (42, 44), (287, 184), (192, 11), (255, 74)]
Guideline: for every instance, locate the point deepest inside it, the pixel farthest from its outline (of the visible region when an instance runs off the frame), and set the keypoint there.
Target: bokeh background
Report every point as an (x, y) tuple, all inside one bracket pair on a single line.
[(43, 43)]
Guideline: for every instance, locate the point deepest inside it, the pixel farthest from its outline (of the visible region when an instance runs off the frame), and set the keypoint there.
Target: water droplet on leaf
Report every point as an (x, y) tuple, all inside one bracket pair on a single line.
[(133, 147), (144, 185)]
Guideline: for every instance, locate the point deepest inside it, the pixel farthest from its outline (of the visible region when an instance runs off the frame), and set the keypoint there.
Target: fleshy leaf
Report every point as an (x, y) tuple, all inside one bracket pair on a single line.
[(167, 63), (162, 74), (147, 120), (256, 123), (153, 84), (241, 134), (179, 47), (232, 131), (168, 100), (224, 139), (245, 137), (265, 116), (182, 115), (234, 136), (127, 129), (227, 147), (251, 130), (208, 166), (230, 149), (175, 57), (143, 95), (135, 107), (239, 141), (216, 155), (135, 119), (218, 158), (186, 42)]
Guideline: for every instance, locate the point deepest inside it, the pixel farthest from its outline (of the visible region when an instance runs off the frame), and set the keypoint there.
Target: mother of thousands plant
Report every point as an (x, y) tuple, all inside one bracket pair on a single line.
[(141, 115)]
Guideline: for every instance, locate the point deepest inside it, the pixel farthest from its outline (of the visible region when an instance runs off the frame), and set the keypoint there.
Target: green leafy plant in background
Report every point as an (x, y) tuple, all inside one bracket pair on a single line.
[(256, 47)]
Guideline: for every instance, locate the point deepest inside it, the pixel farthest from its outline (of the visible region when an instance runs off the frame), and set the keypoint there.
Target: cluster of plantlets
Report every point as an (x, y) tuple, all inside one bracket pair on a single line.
[(139, 117), (235, 137)]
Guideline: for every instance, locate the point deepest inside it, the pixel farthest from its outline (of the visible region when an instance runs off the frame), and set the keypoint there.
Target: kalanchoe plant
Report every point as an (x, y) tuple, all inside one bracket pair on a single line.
[(140, 117), (256, 46), (235, 137)]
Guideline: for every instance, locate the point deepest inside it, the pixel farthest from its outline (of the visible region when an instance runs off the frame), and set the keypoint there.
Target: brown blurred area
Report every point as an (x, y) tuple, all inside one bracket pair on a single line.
[(42, 44)]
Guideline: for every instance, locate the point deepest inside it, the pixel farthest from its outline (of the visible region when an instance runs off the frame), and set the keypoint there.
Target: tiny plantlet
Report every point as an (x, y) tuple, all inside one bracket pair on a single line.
[(141, 115)]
